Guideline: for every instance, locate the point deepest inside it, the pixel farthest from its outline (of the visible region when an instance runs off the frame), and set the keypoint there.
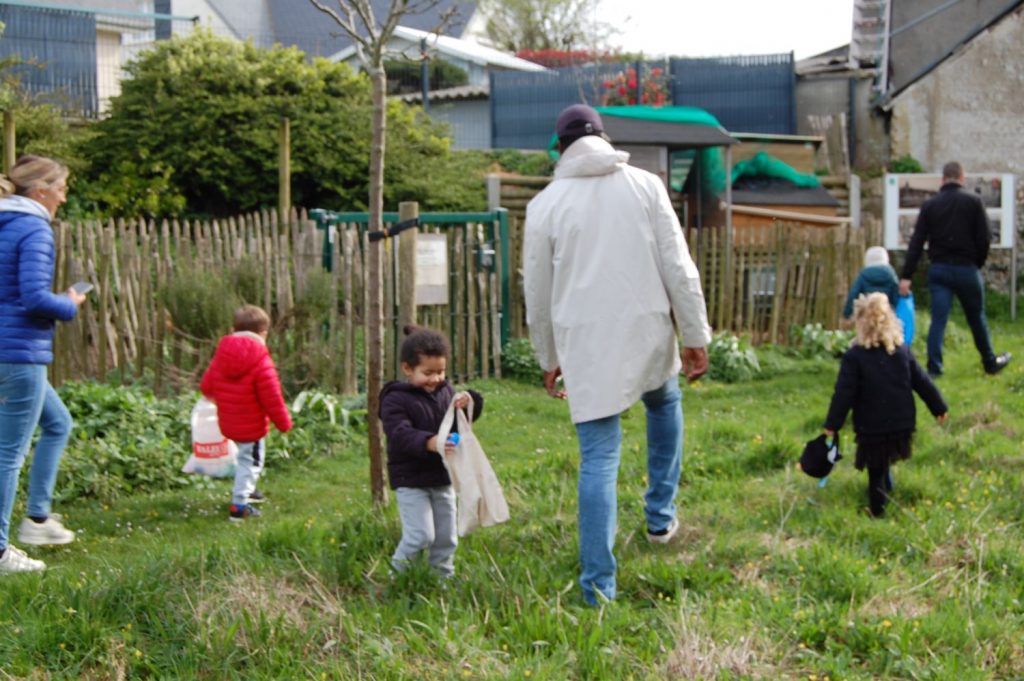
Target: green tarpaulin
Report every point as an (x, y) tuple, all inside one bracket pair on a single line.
[(712, 165)]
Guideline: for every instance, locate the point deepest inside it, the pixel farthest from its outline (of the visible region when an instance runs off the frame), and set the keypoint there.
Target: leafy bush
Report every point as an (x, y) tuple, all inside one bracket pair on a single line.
[(127, 441), (248, 280), (519, 361), (537, 163), (905, 164), (813, 340), (200, 301), (730, 359), (405, 75), (196, 126)]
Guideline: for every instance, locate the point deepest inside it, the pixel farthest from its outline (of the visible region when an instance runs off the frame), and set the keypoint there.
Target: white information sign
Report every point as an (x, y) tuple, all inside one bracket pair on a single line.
[(431, 269), (906, 193)]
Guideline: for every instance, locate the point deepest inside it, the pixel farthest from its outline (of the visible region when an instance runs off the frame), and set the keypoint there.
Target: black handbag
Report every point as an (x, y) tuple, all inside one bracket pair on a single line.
[(819, 456)]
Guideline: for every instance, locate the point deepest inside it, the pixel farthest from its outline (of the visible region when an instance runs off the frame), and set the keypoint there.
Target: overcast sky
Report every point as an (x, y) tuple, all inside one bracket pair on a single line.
[(701, 28)]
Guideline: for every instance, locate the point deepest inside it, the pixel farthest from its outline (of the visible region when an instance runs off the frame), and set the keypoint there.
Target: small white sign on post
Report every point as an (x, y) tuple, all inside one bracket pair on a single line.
[(431, 269)]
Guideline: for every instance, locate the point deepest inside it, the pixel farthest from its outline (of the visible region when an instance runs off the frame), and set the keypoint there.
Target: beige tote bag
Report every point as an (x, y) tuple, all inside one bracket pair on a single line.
[(480, 499)]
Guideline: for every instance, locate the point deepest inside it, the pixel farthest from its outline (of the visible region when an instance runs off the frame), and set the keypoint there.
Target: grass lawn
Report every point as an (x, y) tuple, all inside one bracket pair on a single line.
[(770, 576)]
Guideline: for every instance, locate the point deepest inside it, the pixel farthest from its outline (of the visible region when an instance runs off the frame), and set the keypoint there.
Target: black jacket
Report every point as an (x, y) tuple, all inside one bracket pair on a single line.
[(955, 225), (411, 416), (880, 388)]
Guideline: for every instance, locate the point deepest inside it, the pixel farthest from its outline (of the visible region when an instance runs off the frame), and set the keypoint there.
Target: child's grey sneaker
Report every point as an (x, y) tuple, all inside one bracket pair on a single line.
[(14, 560), (664, 536), (50, 531), (256, 497), (240, 512)]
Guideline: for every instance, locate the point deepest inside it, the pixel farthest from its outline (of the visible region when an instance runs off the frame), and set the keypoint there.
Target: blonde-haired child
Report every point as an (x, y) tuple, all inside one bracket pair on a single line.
[(877, 380)]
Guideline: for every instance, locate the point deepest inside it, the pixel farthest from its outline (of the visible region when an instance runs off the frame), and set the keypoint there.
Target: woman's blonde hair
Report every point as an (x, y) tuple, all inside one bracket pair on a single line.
[(876, 322), (32, 172)]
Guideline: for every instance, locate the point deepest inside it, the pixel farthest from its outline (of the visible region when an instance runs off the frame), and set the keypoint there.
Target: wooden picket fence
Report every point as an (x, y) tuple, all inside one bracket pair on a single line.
[(124, 330), (776, 277), (761, 283)]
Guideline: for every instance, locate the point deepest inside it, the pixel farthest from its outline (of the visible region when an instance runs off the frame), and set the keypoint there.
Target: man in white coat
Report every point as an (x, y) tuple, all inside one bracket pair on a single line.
[(608, 278)]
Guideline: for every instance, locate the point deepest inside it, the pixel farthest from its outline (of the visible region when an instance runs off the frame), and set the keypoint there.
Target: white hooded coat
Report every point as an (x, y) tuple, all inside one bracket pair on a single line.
[(605, 265)]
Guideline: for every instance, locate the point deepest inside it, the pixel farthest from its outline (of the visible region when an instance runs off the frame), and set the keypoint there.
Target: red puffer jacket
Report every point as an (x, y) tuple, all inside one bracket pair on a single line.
[(243, 382)]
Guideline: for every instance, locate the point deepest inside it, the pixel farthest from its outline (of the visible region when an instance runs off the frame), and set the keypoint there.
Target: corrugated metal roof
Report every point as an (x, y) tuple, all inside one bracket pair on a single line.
[(452, 94)]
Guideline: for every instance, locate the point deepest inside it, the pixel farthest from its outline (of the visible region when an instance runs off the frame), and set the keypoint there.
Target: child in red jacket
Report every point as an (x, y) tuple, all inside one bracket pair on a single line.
[(243, 382)]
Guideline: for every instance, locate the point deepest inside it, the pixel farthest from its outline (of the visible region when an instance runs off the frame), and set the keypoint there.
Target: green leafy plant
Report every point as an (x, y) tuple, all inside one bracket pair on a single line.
[(813, 340), (200, 301), (127, 441), (519, 361), (905, 164), (731, 359)]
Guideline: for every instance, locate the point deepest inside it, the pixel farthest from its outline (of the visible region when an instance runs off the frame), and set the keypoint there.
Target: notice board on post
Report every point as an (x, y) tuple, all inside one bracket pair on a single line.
[(905, 193), (431, 269)]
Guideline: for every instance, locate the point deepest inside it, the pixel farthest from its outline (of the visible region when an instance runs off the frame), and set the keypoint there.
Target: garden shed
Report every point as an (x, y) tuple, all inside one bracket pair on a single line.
[(684, 146), (766, 188)]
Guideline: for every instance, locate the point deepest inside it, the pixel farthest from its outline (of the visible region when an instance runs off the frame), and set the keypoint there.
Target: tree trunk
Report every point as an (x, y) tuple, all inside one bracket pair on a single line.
[(375, 299)]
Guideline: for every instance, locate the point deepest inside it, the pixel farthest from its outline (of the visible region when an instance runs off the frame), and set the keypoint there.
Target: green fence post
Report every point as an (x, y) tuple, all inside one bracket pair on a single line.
[(325, 220)]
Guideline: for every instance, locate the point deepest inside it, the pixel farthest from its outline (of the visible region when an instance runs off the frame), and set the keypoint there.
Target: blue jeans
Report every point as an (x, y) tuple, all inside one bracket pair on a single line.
[(27, 399), (600, 442), (963, 281)]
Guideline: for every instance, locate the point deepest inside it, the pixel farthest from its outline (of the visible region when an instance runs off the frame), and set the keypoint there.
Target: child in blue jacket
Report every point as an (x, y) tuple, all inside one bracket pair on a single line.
[(877, 275)]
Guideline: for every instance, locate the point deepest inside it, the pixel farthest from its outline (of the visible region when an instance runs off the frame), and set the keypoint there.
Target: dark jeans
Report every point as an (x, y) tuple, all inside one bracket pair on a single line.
[(879, 486), (963, 281)]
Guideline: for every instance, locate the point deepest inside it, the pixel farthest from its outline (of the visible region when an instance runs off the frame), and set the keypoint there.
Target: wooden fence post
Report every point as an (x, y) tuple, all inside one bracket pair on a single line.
[(407, 210), (284, 170), (9, 141)]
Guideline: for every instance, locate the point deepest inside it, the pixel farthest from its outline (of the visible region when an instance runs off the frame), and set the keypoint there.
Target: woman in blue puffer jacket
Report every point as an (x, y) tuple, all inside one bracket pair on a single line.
[(29, 310)]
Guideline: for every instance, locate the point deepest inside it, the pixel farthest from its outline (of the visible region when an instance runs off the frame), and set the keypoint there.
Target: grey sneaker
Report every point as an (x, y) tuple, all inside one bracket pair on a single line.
[(665, 536), (14, 560), (50, 531)]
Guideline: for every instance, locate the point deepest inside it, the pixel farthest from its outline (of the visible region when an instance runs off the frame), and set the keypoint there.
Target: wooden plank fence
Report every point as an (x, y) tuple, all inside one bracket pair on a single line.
[(777, 277), (125, 329)]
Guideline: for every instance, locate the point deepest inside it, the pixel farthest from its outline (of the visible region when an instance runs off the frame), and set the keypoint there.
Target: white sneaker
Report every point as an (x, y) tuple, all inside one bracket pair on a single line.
[(51, 531), (670, 532), (15, 560)]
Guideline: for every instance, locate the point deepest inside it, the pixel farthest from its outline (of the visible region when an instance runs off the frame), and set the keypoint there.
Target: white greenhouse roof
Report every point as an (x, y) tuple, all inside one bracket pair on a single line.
[(452, 47)]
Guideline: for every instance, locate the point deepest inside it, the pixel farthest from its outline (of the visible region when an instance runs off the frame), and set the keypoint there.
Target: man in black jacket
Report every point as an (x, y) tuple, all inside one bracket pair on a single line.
[(954, 224)]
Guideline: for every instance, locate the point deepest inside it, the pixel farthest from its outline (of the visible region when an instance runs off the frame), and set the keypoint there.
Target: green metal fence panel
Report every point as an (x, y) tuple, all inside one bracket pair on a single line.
[(484, 238)]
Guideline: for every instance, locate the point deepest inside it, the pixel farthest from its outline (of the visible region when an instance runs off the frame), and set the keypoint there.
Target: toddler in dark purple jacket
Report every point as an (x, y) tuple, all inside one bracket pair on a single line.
[(411, 412)]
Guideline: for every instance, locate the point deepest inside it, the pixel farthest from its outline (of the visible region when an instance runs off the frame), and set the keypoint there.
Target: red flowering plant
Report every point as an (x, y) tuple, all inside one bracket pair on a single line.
[(621, 89), (558, 59)]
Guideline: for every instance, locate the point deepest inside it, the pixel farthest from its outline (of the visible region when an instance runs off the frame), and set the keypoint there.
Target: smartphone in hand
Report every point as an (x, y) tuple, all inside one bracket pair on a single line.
[(82, 287)]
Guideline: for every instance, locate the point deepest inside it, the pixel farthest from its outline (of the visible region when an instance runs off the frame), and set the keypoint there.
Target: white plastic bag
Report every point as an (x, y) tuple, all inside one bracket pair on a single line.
[(212, 453), (481, 502)]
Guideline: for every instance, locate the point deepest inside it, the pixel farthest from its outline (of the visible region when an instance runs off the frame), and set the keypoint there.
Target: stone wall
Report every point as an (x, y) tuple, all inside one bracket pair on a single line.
[(969, 109)]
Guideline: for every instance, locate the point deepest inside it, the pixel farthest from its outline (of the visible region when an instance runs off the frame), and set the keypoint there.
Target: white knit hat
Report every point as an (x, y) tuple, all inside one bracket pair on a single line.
[(876, 255)]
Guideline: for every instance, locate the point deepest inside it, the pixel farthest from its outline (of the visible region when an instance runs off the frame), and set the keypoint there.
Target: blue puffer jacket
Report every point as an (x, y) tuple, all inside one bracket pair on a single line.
[(28, 307)]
